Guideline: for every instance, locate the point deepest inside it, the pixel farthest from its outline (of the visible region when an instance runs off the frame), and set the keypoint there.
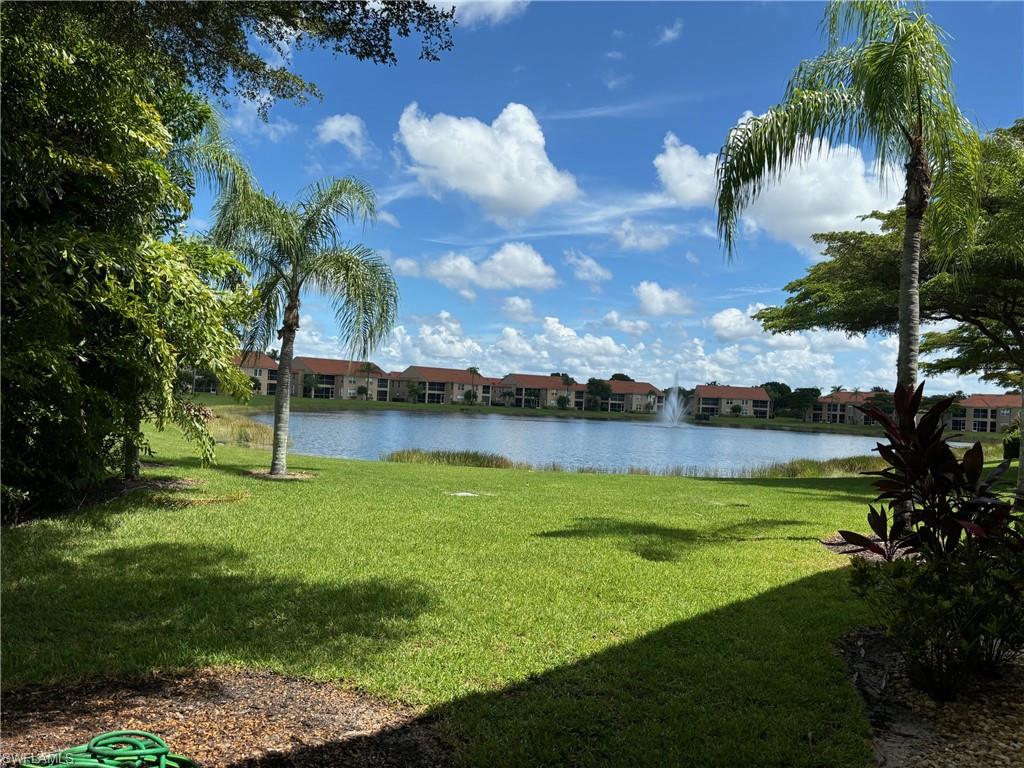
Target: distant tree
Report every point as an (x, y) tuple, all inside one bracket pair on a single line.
[(469, 397), (777, 391), (884, 81), (838, 388), (507, 396), (474, 373), (366, 369), (568, 382), (362, 391), (798, 403), (414, 391), (563, 402), (712, 384), (737, 409), (598, 390), (308, 382), (273, 354), (619, 377)]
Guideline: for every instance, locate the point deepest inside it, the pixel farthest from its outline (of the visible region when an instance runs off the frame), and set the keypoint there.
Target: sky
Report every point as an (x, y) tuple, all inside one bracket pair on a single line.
[(546, 190)]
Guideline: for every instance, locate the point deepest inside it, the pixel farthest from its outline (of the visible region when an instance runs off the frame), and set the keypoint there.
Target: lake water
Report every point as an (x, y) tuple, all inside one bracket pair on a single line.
[(570, 442)]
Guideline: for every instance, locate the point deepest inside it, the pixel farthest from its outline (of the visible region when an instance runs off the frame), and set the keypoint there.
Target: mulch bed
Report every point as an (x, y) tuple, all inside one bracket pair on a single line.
[(225, 717), (984, 727)]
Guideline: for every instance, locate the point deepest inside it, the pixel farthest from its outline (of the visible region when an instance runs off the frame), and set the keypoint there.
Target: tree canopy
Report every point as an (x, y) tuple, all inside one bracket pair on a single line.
[(240, 47), (981, 291), (104, 303)]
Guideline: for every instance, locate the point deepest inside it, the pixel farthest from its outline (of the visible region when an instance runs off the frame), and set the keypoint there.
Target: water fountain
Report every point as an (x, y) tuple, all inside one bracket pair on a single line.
[(675, 409)]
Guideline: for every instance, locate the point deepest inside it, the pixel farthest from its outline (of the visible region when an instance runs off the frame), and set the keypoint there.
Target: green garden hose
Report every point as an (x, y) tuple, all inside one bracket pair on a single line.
[(117, 749)]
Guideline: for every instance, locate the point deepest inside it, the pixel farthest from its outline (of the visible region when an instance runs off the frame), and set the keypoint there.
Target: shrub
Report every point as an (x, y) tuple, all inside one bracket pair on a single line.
[(453, 458), (1011, 446), (702, 417), (951, 589)]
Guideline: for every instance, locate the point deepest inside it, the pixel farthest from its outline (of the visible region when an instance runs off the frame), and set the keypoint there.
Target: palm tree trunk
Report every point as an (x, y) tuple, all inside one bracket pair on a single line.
[(282, 401), (919, 184)]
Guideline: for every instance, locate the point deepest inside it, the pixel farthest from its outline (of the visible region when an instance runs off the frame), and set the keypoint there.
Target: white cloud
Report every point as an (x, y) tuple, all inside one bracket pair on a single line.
[(669, 34), (633, 327), (614, 82), (519, 309), (245, 121), (655, 300), (502, 166), (514, 265), (585, 268), (692, 258), (473, 13), (406, 267), (641, 237), (685, 173), (347, 130), (388, 218), (829, 191), (615, 55), (734, 324)]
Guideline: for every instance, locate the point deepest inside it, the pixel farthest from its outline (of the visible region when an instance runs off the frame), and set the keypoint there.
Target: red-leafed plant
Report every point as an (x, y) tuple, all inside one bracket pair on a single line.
[(929, 501), (951, 590)]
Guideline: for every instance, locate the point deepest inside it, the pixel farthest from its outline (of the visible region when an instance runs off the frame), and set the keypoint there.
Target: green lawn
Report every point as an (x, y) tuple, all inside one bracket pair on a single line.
[(553, 619)]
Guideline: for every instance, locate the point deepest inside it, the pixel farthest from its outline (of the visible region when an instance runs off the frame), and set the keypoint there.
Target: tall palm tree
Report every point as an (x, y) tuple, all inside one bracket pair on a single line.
[(473, 372), (366, 368), (884, 82), (292, 248)]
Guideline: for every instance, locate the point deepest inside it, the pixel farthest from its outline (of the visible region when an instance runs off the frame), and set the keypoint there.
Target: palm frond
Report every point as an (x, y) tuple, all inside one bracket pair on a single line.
[(332, 201), (362, 291), (761, 149)]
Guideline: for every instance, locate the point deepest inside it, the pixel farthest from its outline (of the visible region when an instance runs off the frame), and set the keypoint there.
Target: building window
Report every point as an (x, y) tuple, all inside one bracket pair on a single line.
[(980, 425)]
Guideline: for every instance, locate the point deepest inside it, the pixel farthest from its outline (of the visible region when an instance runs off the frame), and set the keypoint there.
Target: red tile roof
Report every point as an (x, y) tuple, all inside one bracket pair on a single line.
[(634, 388), (1011, 400), (256, 360), (534, 381), (848, 398), (331, 367), (454, 375), (732, 393)]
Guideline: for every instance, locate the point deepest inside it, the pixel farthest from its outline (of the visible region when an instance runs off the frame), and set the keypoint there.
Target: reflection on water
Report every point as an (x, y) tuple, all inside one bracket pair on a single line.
[(569, 442)]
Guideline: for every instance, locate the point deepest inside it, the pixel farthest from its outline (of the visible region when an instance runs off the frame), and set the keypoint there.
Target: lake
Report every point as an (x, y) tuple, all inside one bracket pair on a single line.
[(572, 443)]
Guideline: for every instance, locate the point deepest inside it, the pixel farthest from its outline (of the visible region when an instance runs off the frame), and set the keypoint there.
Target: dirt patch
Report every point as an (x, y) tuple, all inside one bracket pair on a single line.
[(225, 717), (983, 727), (264, 474)]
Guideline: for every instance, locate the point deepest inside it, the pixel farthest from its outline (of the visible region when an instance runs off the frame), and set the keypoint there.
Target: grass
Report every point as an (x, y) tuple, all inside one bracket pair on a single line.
[(227, 427), (843, 467), (551, 619)]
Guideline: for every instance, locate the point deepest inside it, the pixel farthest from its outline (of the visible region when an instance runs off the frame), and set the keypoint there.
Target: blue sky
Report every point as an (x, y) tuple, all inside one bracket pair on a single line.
[(546, 188)]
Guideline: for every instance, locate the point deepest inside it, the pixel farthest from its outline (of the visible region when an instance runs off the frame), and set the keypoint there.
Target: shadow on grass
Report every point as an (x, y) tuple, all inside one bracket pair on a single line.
[(170, 606), (662, 543), (752, 684)]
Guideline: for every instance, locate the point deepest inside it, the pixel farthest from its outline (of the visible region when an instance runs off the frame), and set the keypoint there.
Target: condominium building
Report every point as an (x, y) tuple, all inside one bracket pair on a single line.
[(716, 400), (840, 407), (530, 390), (440, 385), (261, 368), (635, 396), (984, 413), (325, 378)]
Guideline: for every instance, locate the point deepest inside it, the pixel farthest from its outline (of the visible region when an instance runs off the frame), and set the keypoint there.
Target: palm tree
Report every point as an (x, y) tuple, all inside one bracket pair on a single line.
[(885, 82), (568, 382), (473, 372), (413, 390), (293, 248), (366, 368)]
